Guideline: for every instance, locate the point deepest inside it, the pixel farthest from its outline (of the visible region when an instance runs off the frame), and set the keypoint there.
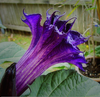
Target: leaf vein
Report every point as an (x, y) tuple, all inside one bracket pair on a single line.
[(60, 83)]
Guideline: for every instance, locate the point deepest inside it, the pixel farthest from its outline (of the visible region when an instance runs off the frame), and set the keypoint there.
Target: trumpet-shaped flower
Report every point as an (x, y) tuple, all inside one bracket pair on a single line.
[(52, 43)]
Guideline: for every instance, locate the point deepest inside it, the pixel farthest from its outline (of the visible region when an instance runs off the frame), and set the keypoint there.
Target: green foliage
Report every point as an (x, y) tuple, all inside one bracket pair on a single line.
[(92, 1), (64, 83), (94, 7), (72, 11), (87, 33), (26, 93), (98, 30), (87, 9), (77, 2), (86, 54), (84, 47), (59, 66), (1, 73), (10, 51), (97, 49)]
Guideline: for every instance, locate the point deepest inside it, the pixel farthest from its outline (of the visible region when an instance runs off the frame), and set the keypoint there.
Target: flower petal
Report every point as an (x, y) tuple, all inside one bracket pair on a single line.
[(51, 19), (33, 21), (75, 38), (64, 52), (62, 26)]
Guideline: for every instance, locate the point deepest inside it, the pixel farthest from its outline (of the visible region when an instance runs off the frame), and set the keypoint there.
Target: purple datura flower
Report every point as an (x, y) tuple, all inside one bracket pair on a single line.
[(52, 43)]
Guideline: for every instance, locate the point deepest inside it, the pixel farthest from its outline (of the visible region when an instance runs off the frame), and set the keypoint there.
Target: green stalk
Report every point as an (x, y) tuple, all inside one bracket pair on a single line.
[(92, 39)]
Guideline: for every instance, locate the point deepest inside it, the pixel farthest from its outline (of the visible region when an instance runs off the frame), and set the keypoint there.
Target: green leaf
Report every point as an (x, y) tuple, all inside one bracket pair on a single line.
[(26, 93), (59, 66), (97, 50), (64, 83), (86, 54), (72, 11), (87, 8), (91, 8), (92, 1), (98, 30), (1, 73), (10, 51), (77, 2)]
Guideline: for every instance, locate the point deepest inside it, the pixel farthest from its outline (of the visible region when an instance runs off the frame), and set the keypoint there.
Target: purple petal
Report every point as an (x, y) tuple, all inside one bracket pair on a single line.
[(75, 38), (33, 21), (52, 19), (64, 52), (62, 26)]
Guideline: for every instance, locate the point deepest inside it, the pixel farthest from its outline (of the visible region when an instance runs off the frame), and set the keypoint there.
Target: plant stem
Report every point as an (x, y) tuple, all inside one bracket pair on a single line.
[(92, 39)]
